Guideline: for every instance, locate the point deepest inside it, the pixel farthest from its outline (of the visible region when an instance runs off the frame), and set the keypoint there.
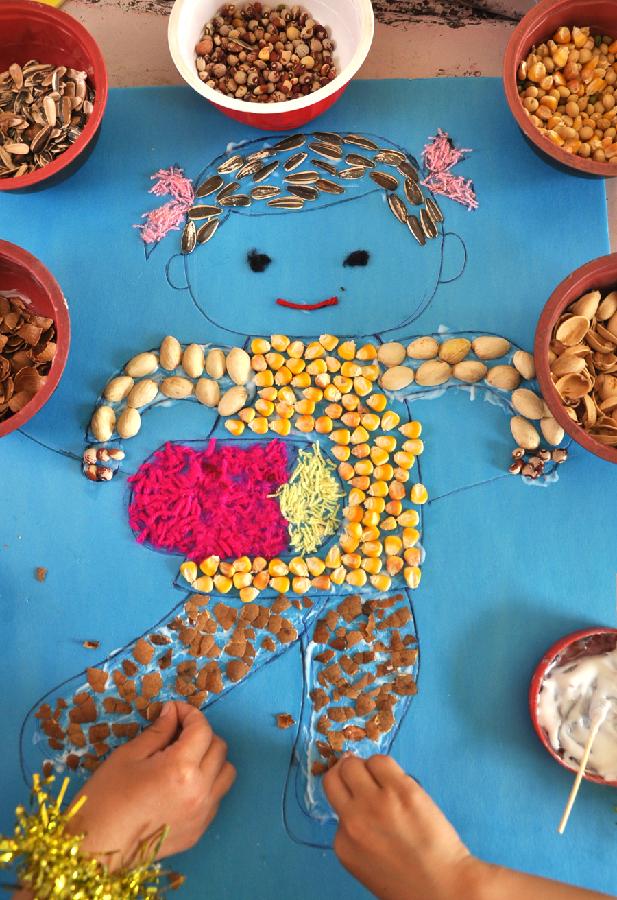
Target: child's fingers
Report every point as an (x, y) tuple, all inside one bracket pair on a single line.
[(385, 771), (223, 782), (157, 737), (195, 734), (356, 776), (336, 790), (214, 758)]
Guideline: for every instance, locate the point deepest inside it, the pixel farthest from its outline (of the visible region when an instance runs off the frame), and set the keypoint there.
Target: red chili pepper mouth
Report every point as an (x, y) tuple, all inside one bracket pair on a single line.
[(309, 307)]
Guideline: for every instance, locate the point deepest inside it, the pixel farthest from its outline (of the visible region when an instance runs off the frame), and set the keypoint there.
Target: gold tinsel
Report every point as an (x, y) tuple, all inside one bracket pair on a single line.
[(50, 864)]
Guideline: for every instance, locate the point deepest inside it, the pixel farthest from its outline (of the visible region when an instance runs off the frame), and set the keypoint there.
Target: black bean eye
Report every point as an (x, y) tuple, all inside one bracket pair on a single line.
[(357, 258), (258, 262)]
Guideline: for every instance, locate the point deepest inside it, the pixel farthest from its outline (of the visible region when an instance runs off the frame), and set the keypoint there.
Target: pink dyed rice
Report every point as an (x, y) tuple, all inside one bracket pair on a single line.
[(168, 217), (440, 156)]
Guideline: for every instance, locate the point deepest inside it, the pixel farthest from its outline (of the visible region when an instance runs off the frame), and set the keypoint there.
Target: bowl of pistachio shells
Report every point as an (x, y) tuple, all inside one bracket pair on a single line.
[(576, 356), (273, 66), (53, 91), (560, 80)]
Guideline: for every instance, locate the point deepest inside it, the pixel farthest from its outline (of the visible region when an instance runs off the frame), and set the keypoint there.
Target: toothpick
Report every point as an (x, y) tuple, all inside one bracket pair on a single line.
[(597, 716)]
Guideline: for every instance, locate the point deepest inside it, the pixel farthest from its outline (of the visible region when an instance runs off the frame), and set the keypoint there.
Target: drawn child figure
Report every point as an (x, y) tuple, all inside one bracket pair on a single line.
[(308, 400)]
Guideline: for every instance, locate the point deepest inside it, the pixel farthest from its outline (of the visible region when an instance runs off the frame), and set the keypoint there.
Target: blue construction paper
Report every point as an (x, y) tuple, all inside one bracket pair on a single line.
[(509, 567)]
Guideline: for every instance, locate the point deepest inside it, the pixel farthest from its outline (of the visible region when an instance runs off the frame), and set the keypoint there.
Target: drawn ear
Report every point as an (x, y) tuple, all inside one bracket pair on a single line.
[(175, 270), (454, 258)]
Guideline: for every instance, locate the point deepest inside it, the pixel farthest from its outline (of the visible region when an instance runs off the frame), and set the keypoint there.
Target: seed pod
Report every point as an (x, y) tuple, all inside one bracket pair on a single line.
[(293, 142), (490, 347), (413, 223), (203, 212), (470, 370), (506, 378), (142, 364), (608, 307), (189, 237), (397, 378), (587, 305), (118, 388), (170, 353), (208, 391), (398, 208), (454, 350), (143, 393), (384, 180), (176, 387), (129, 423), (428, 226), (193, 361), (524, 363), (423, 348), (391, 354), (433, 373), (232, 400), (212, 184), (265, 192), (207, 231), (413, 192), (524, 433), (239, 365), (552, 430), (572, 330), (528, 404), (103, 423), (215, 363)]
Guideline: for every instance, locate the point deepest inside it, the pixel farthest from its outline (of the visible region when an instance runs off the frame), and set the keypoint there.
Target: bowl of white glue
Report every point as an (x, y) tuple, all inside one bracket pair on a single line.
[(576, 677)]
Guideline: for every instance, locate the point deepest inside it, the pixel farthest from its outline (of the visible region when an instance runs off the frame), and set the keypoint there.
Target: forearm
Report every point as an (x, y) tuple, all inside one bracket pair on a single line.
[(498, 883)]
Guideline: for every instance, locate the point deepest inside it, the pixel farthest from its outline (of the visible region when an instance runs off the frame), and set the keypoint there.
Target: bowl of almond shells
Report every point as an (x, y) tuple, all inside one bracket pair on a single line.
[(576, 356), (35, 334)]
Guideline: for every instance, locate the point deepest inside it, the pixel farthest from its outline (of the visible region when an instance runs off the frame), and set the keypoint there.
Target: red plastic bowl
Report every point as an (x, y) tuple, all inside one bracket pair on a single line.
[(351, 23), (21, 271), (538, 25), (30, 30), (599, 274), (570, 647)]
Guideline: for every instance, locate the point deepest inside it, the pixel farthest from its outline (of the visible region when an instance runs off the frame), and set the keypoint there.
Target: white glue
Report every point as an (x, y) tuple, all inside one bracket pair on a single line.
[(570, 694)]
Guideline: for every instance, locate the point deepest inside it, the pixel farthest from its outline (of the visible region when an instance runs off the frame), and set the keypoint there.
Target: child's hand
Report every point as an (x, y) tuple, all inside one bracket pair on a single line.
[(391, 835), (175, 773)]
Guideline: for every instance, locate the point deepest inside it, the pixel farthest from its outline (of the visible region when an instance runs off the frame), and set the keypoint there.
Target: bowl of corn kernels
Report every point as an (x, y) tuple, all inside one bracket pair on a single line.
[(560, 79)]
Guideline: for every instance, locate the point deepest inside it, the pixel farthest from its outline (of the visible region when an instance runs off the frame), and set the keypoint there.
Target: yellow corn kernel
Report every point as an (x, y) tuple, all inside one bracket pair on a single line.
[(248, 594), (390, 420), (372, 565), (315, 565), (261, 581), (394, 508), (412, 556), (377, 504), (280, 426), (321, 582), (412, 576), (362, 386), (269, 393), (275, 361), (364, 467), (280, 584), (404, 460), (300, 585), (379, 489), (305, 424), (259, 425), (295, 349), (264, 379), (354, 529), (317, 367), (283, 376), (351, 419), (340, 436), (280, 342), (351, 370), (370, 518), (242, 580), (409, 518), (361, 451), (347, 350), (322, 381), (264, 407), (356, 496), (210, 565), (402, 474), (234, 426), (379, 456), (411, 536), (372, 548), (259, 564), (314, 350), (313, 393), (346, 471), (296, 367), (394, 564), (370, 534), (340, 453), (396, 490), (260, 345), (204, 583), (338, 575), (277, 568), (333, 557), (351, 560), (242, 564), (188, 570), (378, 402), (298, 566), (223, 584), (389, 524), (343, 384), (393, 545), (287, 395), (323, 425), (386, 442), (371, 372), (328, 341), (384, 472), (419, 494), (411, 429), (370, 421), (361, 481), (258, 362), (303, 380), (353, 513), (359, 435), (305, 407), (227, 568), (348, 543), (332, 393), (357, 577), (414, 446), (333, 364), (367, 351), (284, 410), (247, 414), (381, 582), (350, 401)]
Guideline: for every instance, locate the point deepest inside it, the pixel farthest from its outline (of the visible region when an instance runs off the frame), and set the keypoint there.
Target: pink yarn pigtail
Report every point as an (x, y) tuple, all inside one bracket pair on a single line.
[(168, 217)]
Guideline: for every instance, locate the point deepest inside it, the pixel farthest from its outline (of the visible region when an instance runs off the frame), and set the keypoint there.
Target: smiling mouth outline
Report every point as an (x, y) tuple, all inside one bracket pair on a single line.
[(308, 307)]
